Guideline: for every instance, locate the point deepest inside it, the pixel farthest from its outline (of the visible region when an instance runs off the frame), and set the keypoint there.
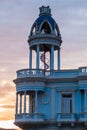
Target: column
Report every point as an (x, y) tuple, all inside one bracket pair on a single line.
[(58, 59), (52, 58), (20, 103), (29, 109), (30, 59), (25, 102), (16, 103), (37, 57), (85, 100), (36, 101)]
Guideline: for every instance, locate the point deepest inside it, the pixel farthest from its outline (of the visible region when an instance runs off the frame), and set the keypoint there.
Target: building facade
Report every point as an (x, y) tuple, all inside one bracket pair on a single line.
[(49, 98)]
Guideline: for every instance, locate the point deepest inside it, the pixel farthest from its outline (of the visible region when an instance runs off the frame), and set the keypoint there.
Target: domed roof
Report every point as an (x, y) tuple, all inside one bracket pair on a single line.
[(45, 24)]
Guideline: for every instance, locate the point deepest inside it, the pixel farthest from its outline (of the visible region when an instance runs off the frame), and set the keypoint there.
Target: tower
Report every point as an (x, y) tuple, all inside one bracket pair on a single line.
[(45, 39), (49, 98)]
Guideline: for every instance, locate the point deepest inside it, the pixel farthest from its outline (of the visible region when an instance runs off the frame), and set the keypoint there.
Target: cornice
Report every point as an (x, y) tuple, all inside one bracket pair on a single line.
[(44, 79)]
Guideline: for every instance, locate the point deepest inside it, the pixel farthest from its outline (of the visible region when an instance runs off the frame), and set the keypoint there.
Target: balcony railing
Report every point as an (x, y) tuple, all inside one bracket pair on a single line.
[(53, 73), (30, 73), (42, 73), (34, 117), (83, 71), (66, 117)]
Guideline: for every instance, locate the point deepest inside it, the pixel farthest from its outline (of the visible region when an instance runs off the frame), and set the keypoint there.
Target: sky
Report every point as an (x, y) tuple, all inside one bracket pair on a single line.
[(16, 19)]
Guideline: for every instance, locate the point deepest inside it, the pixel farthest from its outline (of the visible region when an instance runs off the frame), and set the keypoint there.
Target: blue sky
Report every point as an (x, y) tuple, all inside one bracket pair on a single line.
[(16, 19)]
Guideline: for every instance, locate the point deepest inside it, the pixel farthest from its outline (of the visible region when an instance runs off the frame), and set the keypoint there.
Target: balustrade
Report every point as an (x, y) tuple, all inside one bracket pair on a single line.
[(30, 117), (30, 73), (65, 117)]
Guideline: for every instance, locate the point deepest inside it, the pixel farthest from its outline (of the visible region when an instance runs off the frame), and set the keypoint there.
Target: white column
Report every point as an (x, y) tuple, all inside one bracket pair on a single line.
[(85, 100), (30, 59), (25, 102), (52, 58), (37, 57), (20, 103), (29, 109), (36, 101), (58, 59), (16, 103)]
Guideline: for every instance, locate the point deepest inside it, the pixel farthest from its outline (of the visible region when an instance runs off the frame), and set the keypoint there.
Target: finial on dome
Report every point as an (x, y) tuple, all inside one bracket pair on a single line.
[(45, 10)]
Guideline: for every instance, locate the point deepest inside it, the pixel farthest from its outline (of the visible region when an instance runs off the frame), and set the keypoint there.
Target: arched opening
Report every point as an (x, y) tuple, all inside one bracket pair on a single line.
[(56, 31), (33, 30), (45, 29)]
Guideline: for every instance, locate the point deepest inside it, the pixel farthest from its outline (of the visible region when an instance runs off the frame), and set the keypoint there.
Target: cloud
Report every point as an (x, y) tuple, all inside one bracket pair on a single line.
[(8, 124), (6, 88), (7, 100), (7, 106)]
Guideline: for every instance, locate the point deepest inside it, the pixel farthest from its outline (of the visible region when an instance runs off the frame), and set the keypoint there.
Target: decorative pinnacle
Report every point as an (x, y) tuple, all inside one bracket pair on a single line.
[(45, 10)]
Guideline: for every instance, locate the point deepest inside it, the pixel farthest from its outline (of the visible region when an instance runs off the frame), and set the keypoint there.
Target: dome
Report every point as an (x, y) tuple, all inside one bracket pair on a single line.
[(45, 24)]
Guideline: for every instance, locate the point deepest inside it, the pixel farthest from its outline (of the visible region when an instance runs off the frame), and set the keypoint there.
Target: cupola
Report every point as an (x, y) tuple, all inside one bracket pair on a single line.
[(45, 24)]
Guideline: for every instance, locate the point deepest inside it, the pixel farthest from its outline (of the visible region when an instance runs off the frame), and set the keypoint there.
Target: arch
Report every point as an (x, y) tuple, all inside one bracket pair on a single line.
[(56, 30), (33, 30), (45, 28)]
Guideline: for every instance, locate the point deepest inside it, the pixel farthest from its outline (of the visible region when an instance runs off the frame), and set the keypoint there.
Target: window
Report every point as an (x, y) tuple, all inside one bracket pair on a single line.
[(66, 103)]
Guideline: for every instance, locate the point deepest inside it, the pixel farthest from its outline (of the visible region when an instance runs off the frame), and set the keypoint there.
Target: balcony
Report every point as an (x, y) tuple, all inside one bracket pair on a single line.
[(66, 117), (29, 118), (30, 73)]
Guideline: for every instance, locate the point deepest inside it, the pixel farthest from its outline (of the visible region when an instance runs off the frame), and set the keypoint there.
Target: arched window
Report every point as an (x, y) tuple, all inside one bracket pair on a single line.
[(45, 29)]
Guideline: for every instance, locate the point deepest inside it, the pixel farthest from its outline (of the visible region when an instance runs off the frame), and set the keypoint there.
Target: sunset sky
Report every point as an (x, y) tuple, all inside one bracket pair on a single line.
[(16, 19)]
